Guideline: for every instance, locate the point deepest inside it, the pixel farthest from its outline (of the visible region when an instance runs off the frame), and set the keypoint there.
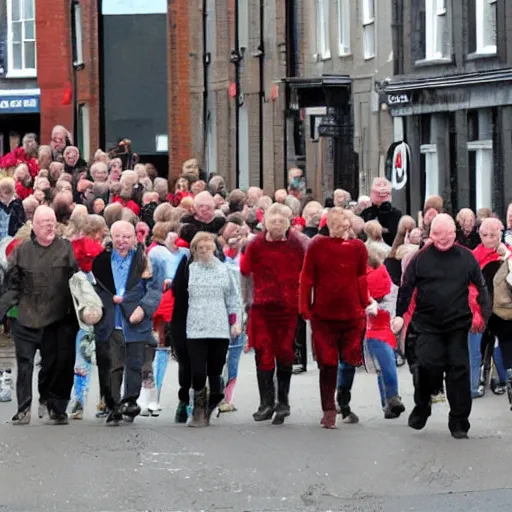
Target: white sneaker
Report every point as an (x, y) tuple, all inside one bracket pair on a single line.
[(42, 412), (154, 406), (143, 401)]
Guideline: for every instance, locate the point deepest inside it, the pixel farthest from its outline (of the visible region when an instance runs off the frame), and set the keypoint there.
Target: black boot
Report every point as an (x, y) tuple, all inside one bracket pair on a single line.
[(343, 397), (284, 376), (267, 395), (509, 386), (199, 418)]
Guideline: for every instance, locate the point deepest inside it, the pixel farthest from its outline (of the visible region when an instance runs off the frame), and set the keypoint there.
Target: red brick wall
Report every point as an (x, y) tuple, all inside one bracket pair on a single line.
[(54, 71), (180, 136)]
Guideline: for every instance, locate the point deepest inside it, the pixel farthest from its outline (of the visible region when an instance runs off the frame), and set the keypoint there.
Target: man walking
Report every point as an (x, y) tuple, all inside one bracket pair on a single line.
[(130, 294), (441, 273), (38, 283)]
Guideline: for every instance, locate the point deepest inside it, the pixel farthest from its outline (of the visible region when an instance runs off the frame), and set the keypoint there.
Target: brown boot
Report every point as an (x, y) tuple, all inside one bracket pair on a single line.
[(199, 417)]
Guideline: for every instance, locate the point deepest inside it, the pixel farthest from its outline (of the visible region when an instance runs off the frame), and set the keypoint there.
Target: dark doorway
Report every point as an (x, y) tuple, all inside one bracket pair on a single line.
[(161, 163), (18, 123)]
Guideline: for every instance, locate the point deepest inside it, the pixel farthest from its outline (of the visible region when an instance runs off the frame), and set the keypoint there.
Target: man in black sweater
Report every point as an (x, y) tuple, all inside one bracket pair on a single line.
[(441, 273)]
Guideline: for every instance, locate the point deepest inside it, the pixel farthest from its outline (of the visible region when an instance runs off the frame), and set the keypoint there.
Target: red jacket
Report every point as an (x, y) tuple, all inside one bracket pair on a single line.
[(275, 269), (132, 205), (85, 250), (379, 286), (333, 282)]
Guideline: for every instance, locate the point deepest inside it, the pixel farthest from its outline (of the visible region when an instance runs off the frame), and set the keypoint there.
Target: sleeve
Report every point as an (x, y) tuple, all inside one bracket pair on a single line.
[(180, 292), (388, 303), (11, 296), (246, 260), (73, 265), (233, 300), (151, 299), (483, 299), (407, 288), (362, 279), (307, 282)]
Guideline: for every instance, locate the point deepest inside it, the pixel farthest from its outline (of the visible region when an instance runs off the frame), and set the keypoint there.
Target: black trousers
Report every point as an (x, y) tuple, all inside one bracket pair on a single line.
[(180, 348), (56, 343), (444, 353), (118, 359), (502, 329), (207, 359), (301, 347)]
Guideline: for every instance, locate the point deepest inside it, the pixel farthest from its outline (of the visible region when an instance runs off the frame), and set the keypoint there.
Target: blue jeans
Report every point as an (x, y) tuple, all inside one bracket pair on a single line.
[(235, 349), (383, 357), (346, 373), (500, 367), (475, 360)]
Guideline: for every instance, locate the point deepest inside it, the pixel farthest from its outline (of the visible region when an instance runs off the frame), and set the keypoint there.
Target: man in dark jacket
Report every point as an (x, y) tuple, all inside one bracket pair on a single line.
[(382, 210), (130, 291), (441, 273), (38, 284)]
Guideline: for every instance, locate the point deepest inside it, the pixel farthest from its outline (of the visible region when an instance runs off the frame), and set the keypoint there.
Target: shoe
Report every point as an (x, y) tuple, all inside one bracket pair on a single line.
[(400, 361), (101, 406), (478, 394), (42, 411), (214, 399), (509, 387), (199, 417), (459, 434), (481, 390), (102, 414), (128, 419), (77, 413), (21, 418), (113, 418), (282, 410), (394, 407), (351, 418), (143, 401), (267, 395), (299, 369), (181, 415), (226, 408), (59, 419), (418, 417), (329, 420), (130, 409), (497, 387)]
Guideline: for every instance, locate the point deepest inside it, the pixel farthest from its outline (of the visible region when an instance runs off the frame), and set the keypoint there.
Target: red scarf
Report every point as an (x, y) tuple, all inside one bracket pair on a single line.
[(484, 256)]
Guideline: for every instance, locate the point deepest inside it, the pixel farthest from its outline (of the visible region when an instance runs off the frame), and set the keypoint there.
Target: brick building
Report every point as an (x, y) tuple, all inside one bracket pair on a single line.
[(451, 99)]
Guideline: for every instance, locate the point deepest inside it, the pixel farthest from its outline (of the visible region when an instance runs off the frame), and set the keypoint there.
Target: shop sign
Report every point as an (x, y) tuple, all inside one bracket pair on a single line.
[(398, 99), (19, 104)]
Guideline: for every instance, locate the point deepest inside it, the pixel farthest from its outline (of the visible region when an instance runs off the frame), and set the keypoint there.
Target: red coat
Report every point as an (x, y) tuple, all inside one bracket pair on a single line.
[(85, 250), (18, 156), (22, 191), (132, 205), (275, 269), (334, 274), (379, 327)]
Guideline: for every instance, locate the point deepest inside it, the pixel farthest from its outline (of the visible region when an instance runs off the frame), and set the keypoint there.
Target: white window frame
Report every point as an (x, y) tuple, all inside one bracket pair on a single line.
[(485, 11), (436, 19), (431, 169), (343, 11), (368, 8), (25, 72), (86, 131), (483, 172), (322, 29)]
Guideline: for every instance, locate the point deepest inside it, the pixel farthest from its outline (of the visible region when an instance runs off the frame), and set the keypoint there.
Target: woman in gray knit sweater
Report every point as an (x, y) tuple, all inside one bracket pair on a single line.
[(212, 318)]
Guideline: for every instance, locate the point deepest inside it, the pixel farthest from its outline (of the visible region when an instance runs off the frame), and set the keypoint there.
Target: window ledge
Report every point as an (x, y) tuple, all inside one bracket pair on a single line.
[(344, 55), (369, 57), (478, 55), (423, 63), (32, 73)]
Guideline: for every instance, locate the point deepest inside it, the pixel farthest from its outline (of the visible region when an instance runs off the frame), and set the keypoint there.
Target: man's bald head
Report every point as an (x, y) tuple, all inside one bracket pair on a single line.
[(123, 237), (443, 220), (44, 225), (442, 232)]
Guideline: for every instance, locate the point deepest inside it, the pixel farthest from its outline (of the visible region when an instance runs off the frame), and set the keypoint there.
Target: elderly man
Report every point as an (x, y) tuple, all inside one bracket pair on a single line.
[(205, 218), (441, 274), (38, 284), (130, 292), (60, 139)]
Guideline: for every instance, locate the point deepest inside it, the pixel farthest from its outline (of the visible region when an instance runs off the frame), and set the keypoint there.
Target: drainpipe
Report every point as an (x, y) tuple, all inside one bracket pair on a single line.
[(77, 64), (236, 59), (206, 64), (261, 55)]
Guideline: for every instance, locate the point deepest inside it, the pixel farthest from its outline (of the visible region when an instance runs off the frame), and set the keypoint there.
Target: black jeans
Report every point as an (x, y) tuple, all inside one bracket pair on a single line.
[(180, 347), (502, 329), (445, 353), (126, 359), (56, 343), (207, 358), (301, 347)]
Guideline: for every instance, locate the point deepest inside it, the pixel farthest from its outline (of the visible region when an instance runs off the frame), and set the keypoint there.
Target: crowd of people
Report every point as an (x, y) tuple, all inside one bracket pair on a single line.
[(104, 263)]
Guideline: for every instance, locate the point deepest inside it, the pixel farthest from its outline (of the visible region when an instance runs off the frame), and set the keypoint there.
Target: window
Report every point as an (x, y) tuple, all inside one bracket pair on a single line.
[(431, 168), (368, 10), (482, 27), (344, 27), (480, 158), (322, 29), (21, 38), (437, 28)]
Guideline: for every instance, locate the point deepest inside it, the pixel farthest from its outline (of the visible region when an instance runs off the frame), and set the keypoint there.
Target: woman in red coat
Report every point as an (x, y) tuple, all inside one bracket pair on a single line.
[(274, 261), (334, 295)]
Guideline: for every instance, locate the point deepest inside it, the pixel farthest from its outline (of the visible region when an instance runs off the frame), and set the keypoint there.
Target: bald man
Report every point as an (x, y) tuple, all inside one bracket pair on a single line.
[(38, 277), (130, 292), (441, 274)]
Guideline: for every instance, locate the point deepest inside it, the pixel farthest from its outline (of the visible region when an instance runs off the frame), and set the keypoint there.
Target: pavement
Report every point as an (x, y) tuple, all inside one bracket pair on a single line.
[(237, 465)]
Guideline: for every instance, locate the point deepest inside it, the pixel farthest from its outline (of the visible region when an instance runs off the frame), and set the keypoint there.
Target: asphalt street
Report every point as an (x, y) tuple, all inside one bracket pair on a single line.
[(237, 465)]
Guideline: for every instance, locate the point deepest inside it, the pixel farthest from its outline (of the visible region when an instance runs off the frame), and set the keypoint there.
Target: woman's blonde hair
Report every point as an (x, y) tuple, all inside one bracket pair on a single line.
[(201, 236), (279, 209), (373, 230), (93, 225), (377, 254), (405, 225), (161, 230)]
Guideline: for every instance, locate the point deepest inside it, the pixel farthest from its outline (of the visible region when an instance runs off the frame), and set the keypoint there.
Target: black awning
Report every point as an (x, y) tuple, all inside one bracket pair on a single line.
[(320, 91)]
